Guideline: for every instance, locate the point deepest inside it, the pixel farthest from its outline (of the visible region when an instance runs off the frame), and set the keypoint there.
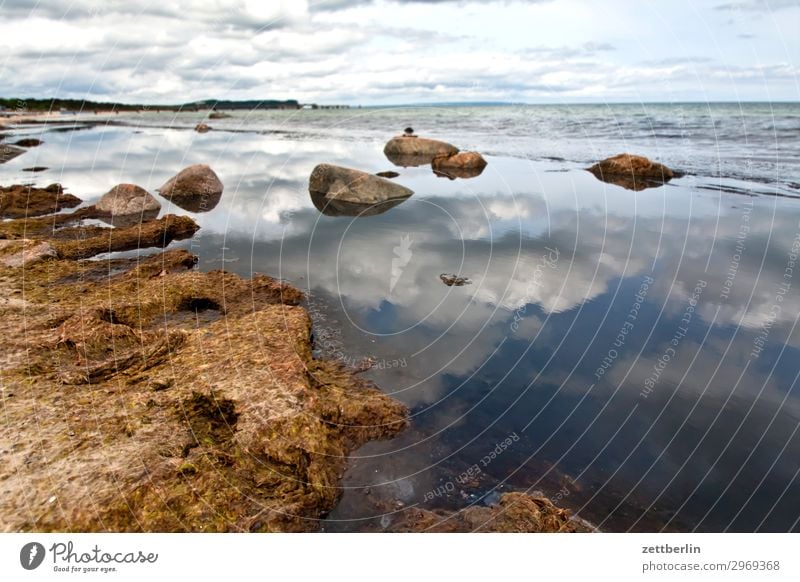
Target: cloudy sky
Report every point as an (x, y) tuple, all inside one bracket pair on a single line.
[(375, 52)]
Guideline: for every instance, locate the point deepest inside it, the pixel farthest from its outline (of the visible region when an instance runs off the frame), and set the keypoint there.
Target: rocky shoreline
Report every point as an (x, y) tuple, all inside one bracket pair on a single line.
[(145, 395)]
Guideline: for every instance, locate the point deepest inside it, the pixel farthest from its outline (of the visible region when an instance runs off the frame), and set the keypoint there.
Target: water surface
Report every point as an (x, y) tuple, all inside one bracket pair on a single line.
[(635, 351)]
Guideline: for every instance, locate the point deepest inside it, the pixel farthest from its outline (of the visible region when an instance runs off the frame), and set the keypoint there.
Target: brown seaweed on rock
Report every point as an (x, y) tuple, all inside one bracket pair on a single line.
[(143, 395), (515, 513), (19, 201)]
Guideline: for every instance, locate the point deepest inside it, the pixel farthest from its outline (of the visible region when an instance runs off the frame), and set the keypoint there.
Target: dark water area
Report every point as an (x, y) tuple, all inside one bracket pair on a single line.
[(631, 355)]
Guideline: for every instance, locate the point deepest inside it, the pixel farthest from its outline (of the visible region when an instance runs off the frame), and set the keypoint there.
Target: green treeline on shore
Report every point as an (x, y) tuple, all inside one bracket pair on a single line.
[(29, 104)]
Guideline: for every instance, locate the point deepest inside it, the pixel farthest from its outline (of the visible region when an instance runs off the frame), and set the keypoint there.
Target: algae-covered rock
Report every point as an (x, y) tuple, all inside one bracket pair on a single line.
[(515, 513), (20, 201), (24, 252), (143, 395)]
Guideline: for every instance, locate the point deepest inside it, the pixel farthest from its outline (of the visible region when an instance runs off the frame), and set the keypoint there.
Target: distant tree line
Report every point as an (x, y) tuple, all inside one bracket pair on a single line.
[(29, 104)]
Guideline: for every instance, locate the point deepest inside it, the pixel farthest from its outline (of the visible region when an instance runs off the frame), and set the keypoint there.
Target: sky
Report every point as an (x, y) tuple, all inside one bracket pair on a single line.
[(383, 52)]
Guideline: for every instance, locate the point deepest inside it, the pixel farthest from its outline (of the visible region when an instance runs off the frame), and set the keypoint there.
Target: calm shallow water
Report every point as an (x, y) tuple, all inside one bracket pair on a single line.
[(638, 349)]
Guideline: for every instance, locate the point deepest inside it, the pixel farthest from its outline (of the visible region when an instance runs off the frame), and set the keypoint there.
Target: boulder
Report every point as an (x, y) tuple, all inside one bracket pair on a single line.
[(218, 115), (632, 172), (460, 165), (416, 151), (196, 189), (354, 186), (127, 200), (202, 128)]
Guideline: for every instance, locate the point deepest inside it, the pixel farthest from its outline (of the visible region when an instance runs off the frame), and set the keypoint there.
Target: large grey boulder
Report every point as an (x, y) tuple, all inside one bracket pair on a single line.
[(127, 200), (353, 186), (416, 151), (196, 189)]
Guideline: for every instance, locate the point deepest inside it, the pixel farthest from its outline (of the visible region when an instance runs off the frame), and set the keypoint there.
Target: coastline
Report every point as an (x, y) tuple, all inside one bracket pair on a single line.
[(10, 118), (145, 395)]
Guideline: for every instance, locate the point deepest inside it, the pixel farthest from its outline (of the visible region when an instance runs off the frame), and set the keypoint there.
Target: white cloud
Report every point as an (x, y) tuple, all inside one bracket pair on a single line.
[(388, 51)]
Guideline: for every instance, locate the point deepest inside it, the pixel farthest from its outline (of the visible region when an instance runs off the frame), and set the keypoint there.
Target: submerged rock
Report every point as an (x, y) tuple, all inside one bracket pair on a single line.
[(333, 207), (354, 186), (410, 151), (8, 152), (127, 200), (218, 115), (460, 165), (389, 174), (202, 128), (20, 201), (632, 172), (196, 188), (28, 142), (35, 169)]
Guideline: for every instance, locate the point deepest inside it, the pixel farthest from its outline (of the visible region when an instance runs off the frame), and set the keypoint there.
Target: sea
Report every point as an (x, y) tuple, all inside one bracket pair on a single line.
[(632, 355)]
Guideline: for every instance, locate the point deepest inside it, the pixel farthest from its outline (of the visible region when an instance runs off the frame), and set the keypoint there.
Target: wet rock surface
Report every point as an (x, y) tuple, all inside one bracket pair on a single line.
[(632, 172), (411, 151), (460, 165), (354, 186), (126, 200), (196, 188)]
